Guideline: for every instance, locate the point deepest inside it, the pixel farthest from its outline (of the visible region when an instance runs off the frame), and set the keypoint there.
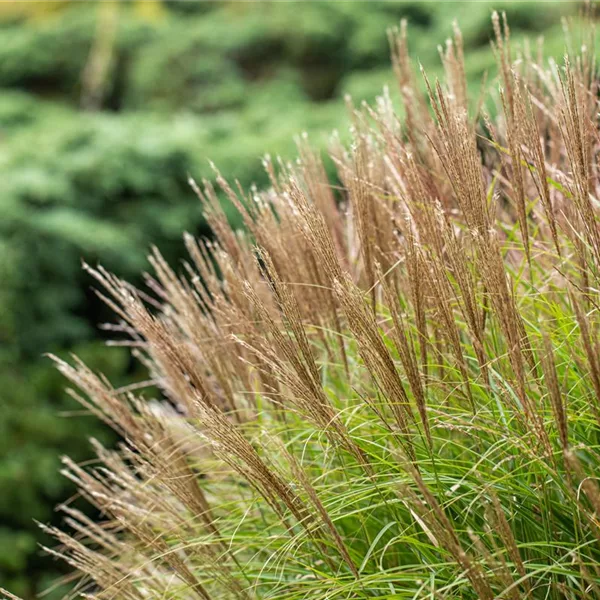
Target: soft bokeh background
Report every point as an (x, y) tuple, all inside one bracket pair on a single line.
[(104, 110)]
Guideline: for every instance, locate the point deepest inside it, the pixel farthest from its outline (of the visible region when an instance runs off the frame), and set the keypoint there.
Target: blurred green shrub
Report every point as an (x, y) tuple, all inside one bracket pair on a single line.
[(86, 186), (35, 429), (47, 57), (74, 187), (180, 73)]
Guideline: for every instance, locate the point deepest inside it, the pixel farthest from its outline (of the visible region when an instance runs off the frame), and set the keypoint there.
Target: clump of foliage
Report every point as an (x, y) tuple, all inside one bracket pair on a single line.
[(184, 82), (393, 391)]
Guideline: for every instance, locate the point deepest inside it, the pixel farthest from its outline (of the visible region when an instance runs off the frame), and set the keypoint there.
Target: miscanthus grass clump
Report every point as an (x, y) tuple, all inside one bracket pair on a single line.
[(384, 389)]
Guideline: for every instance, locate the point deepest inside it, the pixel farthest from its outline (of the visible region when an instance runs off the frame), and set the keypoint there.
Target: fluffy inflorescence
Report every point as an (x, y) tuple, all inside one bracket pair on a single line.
[(384, 388)]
